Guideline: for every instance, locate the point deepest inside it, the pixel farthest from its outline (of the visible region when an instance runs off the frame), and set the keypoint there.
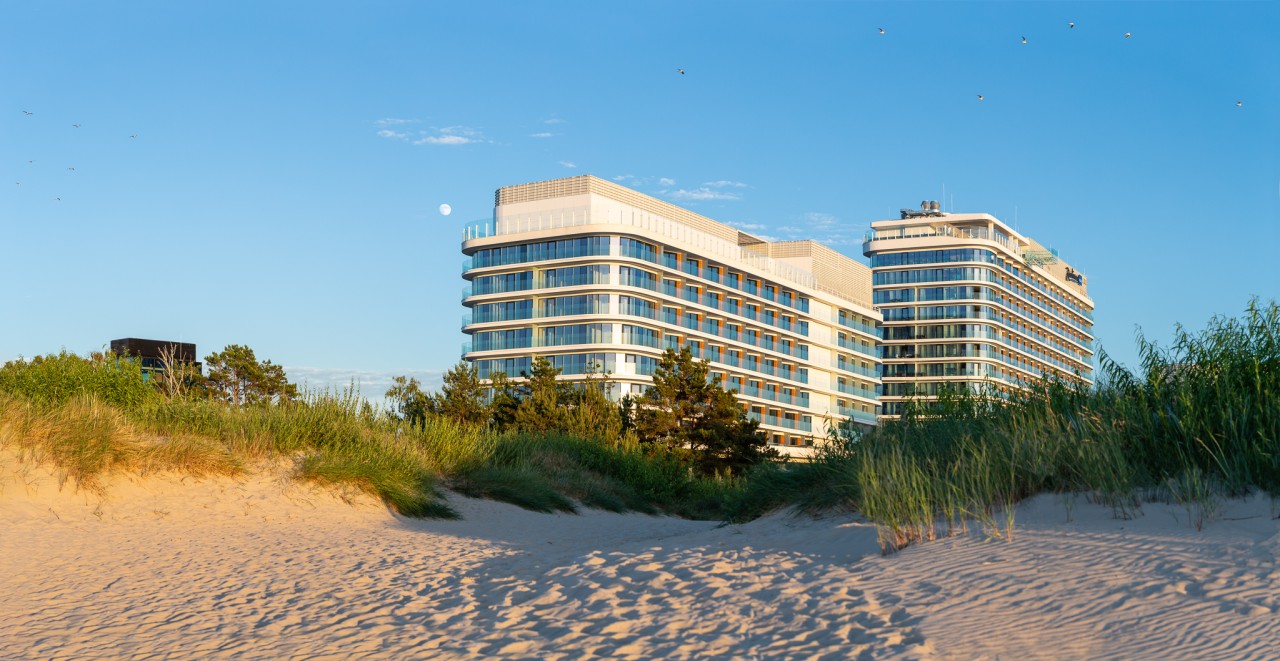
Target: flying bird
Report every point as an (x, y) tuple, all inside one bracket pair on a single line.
[(881, 30), (72, 169), (27, 113), (1071, 24), (1024, 40), (1128, 34), (57, 199), (75, 126), (979, 97), (681, 71), (1239, 103), (133, 136)]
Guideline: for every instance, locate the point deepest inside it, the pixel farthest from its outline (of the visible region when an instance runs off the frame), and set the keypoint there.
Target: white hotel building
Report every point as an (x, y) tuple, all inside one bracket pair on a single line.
[(970, 303), (584, 271)]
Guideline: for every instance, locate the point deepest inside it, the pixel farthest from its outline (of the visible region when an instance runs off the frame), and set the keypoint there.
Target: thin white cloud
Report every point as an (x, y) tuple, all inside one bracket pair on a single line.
[(541, 135), (394, 121), (553, 120), (443, 140), (632, 180), (371, 385), (387, 133), (824, 228), (569, 164), (704, 193), (724, 184), (753, 229), (450, 135)]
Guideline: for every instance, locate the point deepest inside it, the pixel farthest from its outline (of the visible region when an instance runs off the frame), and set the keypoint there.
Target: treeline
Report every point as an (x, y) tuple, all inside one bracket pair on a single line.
[(682, 412), (102, 414), (1196, 422), (236, 377)]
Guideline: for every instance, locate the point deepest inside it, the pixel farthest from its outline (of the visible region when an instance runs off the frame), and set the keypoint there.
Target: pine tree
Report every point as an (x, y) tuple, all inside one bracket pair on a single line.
[(540, 408), (408, 401), (462, 396), (237, 377), (685, 412)]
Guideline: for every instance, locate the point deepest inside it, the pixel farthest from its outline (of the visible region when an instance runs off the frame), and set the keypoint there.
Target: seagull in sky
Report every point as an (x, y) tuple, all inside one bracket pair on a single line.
[(1071, 24), (135, 135), (881, 30), (1024, 40), (1128, 34), (75, 126), (28, 113), (681, 71), (57, 199), (979, 97), (72, 169), (1239, 103)]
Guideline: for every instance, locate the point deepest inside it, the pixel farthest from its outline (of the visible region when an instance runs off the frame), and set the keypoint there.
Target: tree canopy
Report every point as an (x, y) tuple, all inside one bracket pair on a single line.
[(684, 410), (238, 378)]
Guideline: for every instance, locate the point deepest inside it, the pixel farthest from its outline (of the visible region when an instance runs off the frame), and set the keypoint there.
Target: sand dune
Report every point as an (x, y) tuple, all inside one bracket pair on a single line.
[(258, 567)]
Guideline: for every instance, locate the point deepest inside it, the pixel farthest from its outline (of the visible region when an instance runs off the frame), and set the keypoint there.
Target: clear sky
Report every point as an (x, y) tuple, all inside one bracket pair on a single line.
[(269, 173)]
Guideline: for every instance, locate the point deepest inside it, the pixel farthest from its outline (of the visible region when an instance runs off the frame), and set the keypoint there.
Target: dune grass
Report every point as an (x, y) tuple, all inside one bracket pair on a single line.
[(87, 439), (1196, 422), (99, 417), (1199, 421)]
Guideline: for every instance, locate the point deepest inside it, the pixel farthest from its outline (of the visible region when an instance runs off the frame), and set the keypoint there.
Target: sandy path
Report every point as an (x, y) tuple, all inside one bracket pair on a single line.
[(257, 569)]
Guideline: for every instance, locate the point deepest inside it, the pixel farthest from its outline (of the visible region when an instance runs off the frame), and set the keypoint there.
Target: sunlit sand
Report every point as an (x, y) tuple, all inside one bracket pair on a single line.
[(264, 568)]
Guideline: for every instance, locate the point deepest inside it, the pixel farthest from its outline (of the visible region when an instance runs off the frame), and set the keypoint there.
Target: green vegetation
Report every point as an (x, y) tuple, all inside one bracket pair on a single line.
[(682, 416), (92, 416), (685, 412), (1199, 421), (238, 377)]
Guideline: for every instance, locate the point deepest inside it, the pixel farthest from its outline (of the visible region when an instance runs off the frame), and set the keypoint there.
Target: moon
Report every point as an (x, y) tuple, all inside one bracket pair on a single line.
[(445, 209)]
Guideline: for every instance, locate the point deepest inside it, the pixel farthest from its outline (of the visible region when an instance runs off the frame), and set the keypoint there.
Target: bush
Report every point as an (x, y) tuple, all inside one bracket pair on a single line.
[(57, 378)]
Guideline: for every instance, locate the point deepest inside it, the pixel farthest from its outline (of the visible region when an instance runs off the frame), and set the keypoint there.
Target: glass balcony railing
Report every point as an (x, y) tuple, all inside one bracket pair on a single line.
[(846, 366), (850, 389), (478, 229), (857, 414), (779, 421), (845, 321)]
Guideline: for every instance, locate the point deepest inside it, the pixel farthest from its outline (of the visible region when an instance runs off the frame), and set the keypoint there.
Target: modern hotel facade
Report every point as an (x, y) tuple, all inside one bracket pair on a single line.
[(585, 272), (969, 302)]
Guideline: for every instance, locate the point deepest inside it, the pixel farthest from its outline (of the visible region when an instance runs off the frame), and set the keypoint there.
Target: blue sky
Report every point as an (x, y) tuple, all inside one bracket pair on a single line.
[(290, 157)]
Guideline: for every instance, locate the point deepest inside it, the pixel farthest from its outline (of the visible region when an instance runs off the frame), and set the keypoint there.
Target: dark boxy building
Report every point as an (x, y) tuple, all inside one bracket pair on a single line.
[(148, 351)]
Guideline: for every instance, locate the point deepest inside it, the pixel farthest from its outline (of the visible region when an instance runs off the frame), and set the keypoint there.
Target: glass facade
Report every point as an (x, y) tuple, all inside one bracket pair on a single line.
[(972, 319), (755, 331)]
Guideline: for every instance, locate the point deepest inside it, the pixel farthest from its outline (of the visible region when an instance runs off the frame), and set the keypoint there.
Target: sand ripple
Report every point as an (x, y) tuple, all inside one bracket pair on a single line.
[(256, 568)]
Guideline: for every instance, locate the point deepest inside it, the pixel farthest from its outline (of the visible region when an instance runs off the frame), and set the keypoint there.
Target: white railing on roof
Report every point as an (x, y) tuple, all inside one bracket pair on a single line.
[(943, 230)]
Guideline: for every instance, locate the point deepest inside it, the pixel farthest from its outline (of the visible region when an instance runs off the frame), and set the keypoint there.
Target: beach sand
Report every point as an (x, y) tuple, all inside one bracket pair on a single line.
[(259, 567)]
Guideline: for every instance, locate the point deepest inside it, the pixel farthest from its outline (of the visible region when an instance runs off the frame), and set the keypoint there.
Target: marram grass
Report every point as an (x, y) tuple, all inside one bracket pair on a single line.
[(332, 438), (1198, 420)]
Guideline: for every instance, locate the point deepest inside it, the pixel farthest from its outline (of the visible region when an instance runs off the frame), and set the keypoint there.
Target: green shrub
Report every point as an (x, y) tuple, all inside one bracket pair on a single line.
[(57, 378)]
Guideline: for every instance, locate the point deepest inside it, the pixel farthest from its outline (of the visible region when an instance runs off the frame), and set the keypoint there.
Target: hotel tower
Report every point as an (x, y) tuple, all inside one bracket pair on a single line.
[(968, 301), (585, 272)]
